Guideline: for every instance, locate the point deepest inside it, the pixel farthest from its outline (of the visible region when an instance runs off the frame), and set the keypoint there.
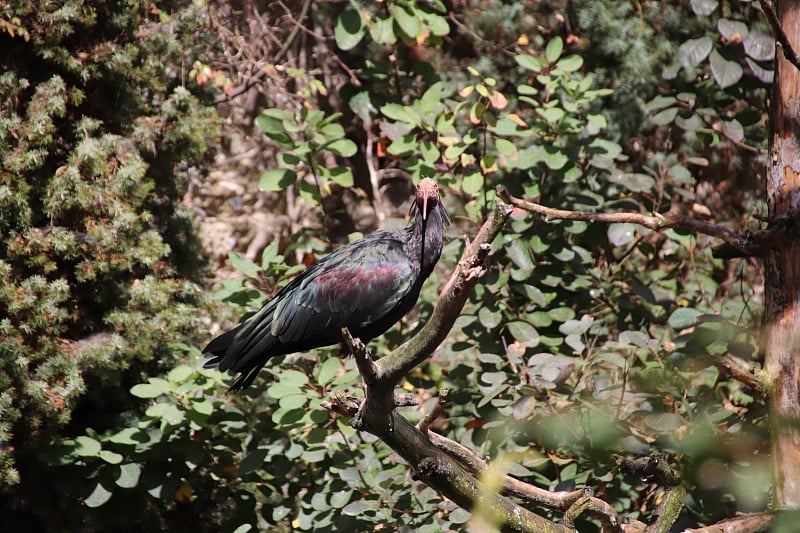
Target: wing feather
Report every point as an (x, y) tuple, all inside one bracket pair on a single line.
[(353, 289)]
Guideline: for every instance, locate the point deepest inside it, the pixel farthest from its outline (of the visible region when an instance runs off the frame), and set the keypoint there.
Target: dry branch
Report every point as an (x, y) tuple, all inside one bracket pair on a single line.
[(750, 244)]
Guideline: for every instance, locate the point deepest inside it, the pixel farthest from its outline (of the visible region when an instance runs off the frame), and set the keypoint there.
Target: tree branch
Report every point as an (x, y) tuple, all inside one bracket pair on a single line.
[(557, 501), (780, 35), (752, 523), (454, 470), (749, 244), (739, 370)]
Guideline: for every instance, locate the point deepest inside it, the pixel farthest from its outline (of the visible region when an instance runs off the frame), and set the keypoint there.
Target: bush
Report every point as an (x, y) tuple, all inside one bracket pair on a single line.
[(97, 135)]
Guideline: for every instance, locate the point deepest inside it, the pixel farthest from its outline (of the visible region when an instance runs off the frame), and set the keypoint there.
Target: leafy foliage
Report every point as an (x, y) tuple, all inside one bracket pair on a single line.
[(96, 249), (582, 344)]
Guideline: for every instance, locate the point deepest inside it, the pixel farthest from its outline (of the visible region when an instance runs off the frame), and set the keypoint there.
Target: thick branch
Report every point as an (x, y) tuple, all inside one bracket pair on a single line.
[(445, 474), (750, 244)]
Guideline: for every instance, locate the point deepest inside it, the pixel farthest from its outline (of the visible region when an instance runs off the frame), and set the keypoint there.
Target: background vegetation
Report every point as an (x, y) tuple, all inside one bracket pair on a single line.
[(130, 130)]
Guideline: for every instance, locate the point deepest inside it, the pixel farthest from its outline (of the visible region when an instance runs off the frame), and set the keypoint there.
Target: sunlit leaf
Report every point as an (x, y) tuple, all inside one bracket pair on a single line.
[(759, 46), (349, 29), (725, 72), (621, 234), (694, 51)]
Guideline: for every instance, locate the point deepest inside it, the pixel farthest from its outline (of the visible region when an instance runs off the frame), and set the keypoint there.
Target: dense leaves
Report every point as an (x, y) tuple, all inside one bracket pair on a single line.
[(582, 344)]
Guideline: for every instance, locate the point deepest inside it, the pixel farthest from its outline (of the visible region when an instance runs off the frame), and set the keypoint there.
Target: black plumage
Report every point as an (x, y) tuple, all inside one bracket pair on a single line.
[(366, 286)]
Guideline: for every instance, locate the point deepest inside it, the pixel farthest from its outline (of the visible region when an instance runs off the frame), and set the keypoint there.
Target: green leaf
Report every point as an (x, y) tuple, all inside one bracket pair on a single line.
[(523, 332), (87, 446), (570, 63), (180, 373), (362, 106), (730, 29), (147, 390), (339, 499), (400, 113), (554, 49), (725, 72), (408, 22), (458, 516), (506, 148), (272, 121), (349, 29), (99, 496), (620, 234), (341, 175), (252, 461), (436, 24), (382, 30), (760, 47), (359, 507), (328, 370), (488, 318), (293, 401), (552, 114), (202, 406), (343, 147), (529, 62), (166, 412), (404, 145), (277, 179), (554, 158), (733, 130), (694, 51), (472, 183), (663, 422), (703, 8), (293, 377), (128, 475), (683, 317), (110, 457), (664, 117), (244, 265), (520, 254)]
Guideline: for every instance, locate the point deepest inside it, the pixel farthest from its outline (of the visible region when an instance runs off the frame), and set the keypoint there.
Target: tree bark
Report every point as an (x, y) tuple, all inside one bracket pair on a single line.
[(782, 264)]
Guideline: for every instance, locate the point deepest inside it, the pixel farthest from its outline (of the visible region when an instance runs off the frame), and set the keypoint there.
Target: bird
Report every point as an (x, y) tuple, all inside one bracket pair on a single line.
[(366, 286)]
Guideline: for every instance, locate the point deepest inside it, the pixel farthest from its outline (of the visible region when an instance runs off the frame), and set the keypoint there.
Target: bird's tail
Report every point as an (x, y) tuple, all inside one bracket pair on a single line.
[(244, 350)]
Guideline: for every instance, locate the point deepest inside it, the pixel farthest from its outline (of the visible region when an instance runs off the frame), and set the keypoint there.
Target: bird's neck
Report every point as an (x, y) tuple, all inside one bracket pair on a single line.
[(427, 237)]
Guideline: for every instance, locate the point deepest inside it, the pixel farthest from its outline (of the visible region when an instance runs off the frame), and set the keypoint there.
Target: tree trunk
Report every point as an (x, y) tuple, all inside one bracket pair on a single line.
[(782, 285)]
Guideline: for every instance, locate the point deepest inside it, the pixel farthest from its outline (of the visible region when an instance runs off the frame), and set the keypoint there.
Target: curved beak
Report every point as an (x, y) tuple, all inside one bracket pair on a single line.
[(425, 207)]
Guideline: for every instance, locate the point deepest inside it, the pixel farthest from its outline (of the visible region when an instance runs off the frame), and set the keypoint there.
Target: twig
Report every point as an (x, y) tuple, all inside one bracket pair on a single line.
[(428, 419), (780, 35), (276, 59), (750, 244)]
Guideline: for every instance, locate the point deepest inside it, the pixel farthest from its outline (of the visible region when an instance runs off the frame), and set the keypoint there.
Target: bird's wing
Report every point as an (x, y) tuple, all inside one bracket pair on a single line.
[(354, 286)]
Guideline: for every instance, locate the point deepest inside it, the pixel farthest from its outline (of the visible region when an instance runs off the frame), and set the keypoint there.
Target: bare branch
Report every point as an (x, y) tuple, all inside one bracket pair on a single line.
[(739, 370), (750, 244), (556, 501), (428, 419), (752, 523)]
